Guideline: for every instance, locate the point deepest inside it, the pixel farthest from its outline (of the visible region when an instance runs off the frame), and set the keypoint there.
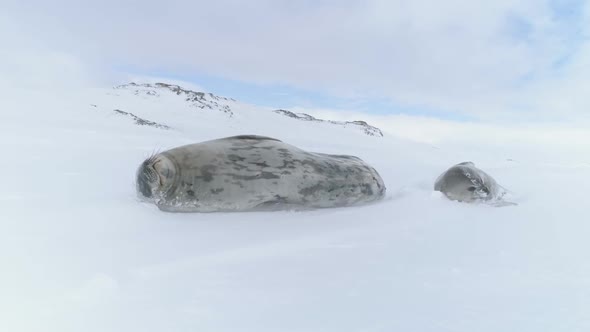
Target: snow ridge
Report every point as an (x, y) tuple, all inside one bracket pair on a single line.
[(365, 127), (228, 106)]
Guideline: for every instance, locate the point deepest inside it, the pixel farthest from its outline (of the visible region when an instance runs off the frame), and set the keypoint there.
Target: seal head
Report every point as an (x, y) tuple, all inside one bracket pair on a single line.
[(155, 177), (466, 183)]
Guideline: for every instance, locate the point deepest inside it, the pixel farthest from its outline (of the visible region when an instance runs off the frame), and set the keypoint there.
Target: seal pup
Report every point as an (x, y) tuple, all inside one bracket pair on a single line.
[(466, 183), (248, 172)]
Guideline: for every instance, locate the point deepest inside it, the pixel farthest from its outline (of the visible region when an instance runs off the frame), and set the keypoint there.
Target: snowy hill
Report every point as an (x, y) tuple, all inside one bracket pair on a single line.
[(184, 100), (80, 252), (200, 100), (365, 127)]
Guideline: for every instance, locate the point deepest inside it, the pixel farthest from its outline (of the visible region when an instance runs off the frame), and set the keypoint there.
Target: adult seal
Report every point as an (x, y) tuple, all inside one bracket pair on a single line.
[(248, 172), (466, 183)]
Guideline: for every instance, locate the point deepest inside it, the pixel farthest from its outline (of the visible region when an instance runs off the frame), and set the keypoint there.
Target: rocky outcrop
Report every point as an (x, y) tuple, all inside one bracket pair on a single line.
[(362, 125), (201, 100), (209, 101), (142, 122)]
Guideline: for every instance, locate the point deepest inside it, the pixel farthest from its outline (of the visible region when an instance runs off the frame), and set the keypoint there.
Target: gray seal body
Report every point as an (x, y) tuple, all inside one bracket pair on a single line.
[(466, 183), (248, 172)]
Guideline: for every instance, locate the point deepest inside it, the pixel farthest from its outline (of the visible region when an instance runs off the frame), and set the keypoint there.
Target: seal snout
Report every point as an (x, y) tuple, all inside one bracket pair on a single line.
[(144, 174)]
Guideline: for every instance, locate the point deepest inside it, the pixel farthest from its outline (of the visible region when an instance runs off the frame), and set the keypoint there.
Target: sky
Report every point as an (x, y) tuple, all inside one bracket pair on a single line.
[(504, 61)]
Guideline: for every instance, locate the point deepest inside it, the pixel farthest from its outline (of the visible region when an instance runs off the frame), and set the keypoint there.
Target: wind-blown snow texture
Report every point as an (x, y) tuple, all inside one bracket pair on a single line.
[(81, 253)]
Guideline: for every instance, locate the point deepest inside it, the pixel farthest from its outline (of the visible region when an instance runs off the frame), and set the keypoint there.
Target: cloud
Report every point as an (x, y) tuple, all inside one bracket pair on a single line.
[(27, 62), (491, 60)]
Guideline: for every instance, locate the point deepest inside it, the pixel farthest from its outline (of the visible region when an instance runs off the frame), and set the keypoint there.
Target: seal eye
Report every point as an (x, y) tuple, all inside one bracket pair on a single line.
[(160, 172), (150, 174), (472, 189)]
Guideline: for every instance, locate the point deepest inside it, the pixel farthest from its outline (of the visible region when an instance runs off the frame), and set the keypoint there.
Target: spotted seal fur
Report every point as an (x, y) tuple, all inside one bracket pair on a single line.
[(249, 172)]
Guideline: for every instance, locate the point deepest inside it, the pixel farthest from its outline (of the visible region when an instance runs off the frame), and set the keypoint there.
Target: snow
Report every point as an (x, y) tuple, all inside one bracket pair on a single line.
[(81, 253)]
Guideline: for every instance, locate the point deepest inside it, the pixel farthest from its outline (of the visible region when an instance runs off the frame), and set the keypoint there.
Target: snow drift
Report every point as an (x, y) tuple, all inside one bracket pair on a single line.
[(81, 253)]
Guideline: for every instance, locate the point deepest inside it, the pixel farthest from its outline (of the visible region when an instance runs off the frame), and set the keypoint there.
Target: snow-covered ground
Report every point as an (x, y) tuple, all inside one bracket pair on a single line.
[(79, 252)]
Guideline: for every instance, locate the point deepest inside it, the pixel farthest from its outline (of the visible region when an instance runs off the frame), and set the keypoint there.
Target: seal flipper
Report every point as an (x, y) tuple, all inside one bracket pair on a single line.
[(279, 205)]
